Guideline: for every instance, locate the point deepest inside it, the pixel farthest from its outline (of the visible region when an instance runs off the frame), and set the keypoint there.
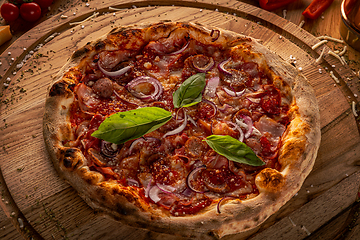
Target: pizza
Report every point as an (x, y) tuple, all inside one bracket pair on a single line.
[(182, 128)]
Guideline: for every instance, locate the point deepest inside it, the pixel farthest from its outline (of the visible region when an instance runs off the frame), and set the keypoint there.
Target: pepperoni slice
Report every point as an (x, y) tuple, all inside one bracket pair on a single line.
[(271, 100)]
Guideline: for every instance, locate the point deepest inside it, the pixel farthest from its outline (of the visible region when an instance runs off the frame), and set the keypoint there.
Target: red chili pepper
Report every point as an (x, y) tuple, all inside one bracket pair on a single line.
[(270, 5), (316, 8)]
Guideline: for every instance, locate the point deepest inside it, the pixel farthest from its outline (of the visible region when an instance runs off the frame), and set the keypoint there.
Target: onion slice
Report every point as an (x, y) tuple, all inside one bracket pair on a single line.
[(211, 85), (116, 73), (132, 182), (147, 190), (233, 93), (190, 177), (249, 124), (180, 50), (154, 193), (166, 188), (206, 68), (222, 69), (179, 129), (141, 140), (146, 79), (215, 34), (242, 135), (220, 202), (212, 105)]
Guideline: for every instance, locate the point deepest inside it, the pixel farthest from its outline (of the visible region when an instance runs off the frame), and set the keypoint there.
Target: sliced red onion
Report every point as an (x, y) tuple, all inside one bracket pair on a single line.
[(212, 105), (154, 193), (141, 140), (192, 121), (187, 192), (166, 188), (179, 129), (108, 149), (146, 79), (180, 50), (221, 200), (211, 85), (254, 100), (226, 108), (206, 68), (116, 73), (249, 124), (233, 93), (222, 69), (147, 190), (190, 177), (215, 34), (242, 136), (132, 182)]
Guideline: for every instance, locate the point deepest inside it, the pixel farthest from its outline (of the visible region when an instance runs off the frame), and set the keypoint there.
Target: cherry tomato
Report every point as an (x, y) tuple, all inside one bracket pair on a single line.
[(30, 11), (9, 12), (44, 4)]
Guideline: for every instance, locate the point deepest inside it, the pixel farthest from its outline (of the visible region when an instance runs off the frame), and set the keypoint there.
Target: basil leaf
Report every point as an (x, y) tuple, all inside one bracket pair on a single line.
[(124, 126), (190, 91), (233, 150)]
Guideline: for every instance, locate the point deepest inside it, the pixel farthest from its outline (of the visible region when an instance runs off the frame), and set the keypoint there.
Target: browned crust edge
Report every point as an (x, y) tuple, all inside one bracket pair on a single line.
[(298, 153)]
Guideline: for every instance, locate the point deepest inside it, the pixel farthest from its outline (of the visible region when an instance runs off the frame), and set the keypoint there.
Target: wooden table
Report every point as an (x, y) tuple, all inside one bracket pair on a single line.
[(37, 203)]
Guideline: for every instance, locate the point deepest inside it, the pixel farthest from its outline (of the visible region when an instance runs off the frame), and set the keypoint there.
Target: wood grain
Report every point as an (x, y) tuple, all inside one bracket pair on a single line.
[(53, 207)]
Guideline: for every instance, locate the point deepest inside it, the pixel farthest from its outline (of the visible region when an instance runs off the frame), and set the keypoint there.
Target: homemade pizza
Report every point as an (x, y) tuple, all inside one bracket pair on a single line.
[(181, 128)]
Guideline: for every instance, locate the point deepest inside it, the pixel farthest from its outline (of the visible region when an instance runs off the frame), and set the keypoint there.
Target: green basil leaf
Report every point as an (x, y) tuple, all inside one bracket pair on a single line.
[(233, 150), (124, 126), (190, 91)]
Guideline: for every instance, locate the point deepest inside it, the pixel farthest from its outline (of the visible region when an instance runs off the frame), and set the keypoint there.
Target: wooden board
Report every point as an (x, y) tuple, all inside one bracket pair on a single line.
[(53, 210)]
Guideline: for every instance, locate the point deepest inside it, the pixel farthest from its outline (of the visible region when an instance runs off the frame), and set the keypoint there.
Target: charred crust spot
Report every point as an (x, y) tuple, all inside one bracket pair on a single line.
[(58, 89), (256, 219), (115, 191), (67, 163), (211, 234), (70, 152), (80, 52), (141, 224), (185, 25), (121, 210), (71, 87), (99, 45), (246, 226), (70, 158), (77, 165), (88, 180)]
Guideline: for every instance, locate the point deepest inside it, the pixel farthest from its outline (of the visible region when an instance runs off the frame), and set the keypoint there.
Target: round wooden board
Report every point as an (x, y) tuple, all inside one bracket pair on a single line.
[(53, 208)]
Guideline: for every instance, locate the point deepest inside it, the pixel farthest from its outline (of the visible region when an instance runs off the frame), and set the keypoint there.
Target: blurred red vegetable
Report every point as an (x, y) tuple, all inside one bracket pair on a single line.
[(316, 8), (30, 11), (270, 5), (9, 12)]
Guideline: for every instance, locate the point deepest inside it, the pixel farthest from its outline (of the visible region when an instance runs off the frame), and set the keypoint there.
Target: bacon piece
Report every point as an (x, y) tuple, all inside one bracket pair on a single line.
[(268, 125), (222, 128), (109, 59), (271, 131), (87, 98)]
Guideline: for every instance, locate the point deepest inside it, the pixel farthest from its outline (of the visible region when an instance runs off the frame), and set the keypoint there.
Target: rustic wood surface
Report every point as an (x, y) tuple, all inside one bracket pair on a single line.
[(37, 203)]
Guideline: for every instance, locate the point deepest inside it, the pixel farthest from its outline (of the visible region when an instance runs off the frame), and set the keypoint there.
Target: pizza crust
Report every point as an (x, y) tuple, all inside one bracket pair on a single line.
[(297, 155)]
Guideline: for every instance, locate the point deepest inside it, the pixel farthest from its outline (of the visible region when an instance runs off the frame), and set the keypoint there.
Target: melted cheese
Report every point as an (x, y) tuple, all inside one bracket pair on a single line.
[(5, 34)]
